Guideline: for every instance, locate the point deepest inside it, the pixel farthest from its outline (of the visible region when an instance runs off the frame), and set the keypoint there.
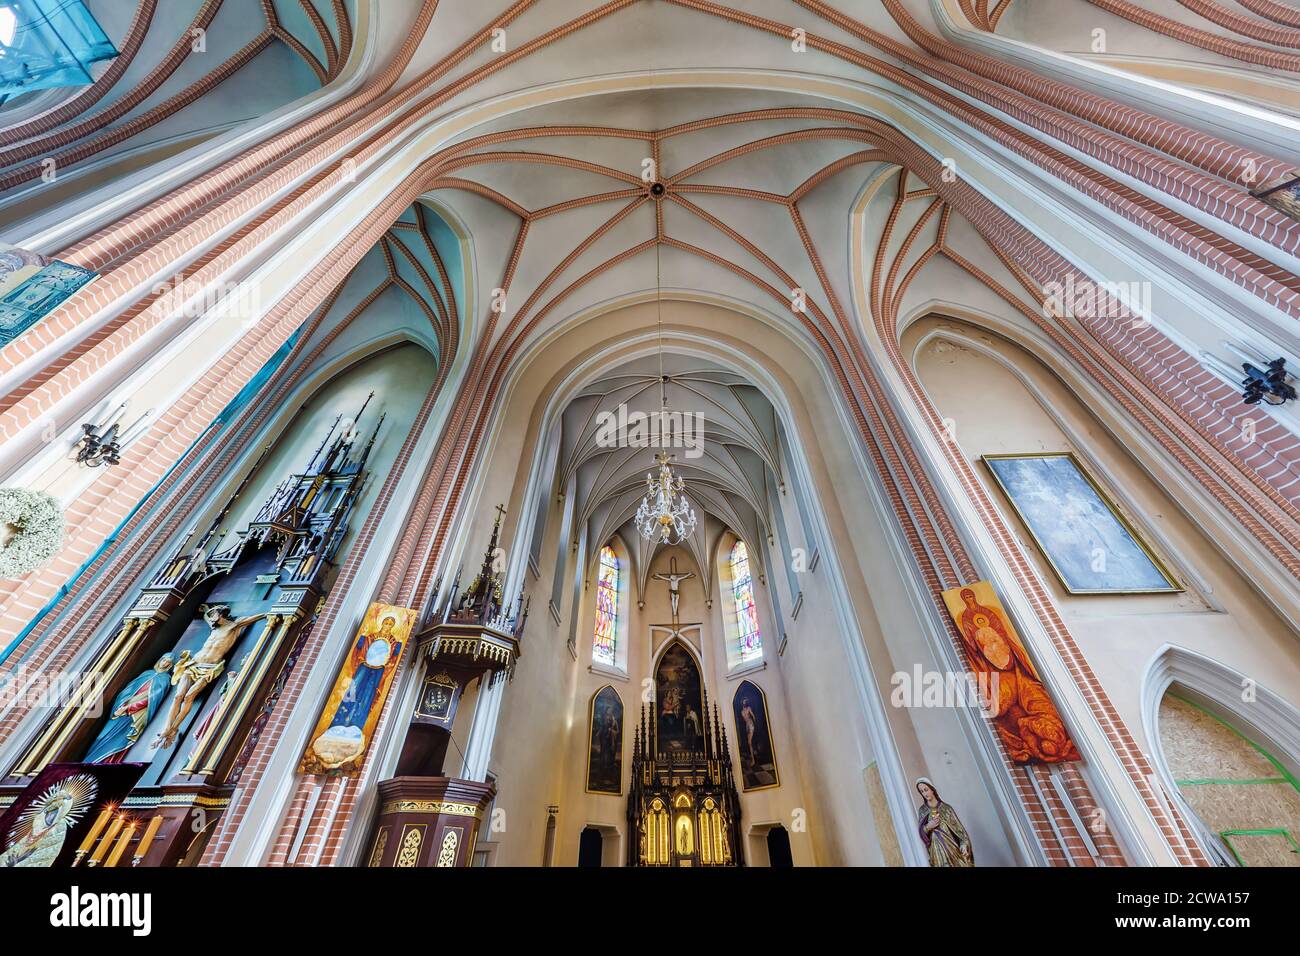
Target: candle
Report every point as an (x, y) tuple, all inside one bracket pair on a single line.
[(122, 844), (104, 844), (146, 840), (100, 822)]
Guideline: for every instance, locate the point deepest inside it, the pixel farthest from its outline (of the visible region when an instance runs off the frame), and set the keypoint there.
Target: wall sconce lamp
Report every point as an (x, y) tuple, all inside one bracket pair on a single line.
[(102, 438)]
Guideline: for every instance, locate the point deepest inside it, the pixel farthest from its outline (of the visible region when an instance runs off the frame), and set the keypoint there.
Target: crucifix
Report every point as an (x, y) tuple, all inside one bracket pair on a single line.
[(674, 579)]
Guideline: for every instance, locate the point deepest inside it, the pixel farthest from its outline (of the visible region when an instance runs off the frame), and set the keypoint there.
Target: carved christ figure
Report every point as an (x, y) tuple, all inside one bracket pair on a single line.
[(674, 579), (192, 674)]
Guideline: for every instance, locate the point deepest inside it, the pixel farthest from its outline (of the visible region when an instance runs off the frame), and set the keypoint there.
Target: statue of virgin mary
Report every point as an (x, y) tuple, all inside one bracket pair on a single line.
[(945, 839), (131, 713)]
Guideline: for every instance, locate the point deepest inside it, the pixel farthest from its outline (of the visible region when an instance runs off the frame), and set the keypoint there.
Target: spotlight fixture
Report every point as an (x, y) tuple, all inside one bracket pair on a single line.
[(102, 439), (1267, 381), (1267, 385)]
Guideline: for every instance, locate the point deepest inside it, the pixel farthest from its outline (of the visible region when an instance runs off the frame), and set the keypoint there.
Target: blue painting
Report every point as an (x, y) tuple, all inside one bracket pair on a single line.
[(1089, 546), (38, 296)]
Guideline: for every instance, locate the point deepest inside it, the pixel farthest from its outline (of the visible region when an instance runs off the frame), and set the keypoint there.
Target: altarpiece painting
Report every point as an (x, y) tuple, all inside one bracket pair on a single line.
[(679, 702)]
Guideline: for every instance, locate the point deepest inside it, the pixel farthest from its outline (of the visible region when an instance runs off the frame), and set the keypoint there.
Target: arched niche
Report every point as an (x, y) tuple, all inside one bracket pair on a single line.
[(394, 381), (1001, 398), (1227, 751), (400, 377)]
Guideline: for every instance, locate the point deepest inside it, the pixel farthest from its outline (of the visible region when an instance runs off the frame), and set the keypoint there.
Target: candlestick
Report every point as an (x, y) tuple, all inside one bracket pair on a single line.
[(101, 821), (122, 843), (146, 840), (98, 856)]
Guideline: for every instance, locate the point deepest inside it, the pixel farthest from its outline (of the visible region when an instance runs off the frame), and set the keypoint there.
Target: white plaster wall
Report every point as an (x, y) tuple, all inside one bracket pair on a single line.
[(400, 379)]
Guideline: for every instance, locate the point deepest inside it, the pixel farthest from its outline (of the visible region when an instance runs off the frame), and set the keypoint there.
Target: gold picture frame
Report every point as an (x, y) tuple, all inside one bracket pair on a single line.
[(1172, 584), (745, 785), (591, 733)]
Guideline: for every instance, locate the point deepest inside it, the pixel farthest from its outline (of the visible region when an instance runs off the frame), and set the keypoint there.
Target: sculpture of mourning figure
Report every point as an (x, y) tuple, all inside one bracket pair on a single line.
[(132, 710)]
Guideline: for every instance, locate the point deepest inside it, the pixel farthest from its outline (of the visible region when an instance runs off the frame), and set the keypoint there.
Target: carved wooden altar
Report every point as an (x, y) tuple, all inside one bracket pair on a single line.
[(278, 569), (682, 806)]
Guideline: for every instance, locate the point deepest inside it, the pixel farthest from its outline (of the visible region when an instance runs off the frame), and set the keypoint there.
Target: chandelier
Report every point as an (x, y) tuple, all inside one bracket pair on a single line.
[(665, 514)]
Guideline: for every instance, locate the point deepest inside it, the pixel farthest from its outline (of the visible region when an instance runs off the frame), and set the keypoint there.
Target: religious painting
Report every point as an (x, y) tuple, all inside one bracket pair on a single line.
[(754, 738), (1013, 695), (53, 815), (946, 841), (679, 702), (343, 732), (605, 743), (1090, 547), (40, 293)]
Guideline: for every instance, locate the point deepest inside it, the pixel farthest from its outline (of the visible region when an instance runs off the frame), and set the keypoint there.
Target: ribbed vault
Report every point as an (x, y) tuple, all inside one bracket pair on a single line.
[(730, 465)]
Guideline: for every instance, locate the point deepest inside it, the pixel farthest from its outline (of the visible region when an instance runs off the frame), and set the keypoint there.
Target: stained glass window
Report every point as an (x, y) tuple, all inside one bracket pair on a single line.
[(742, 590), (606, 637)]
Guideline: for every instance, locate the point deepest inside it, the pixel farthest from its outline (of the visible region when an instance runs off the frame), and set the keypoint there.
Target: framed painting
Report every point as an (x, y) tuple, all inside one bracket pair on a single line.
[(66, 810), (344, 729), (754, 738), (1088, 544), (605, 743)]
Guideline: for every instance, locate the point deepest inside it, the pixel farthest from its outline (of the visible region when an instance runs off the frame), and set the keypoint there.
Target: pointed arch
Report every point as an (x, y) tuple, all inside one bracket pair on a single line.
[(1196, 697), (679, 715)]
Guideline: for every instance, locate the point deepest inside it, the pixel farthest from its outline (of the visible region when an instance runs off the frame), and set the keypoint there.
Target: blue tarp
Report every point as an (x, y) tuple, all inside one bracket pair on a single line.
[(53, 43)]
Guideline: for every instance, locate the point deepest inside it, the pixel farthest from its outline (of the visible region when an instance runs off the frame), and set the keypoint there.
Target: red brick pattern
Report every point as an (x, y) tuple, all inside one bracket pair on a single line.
[(1235, 49), (1277, 12), (1267, 32), (1183, 406)]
